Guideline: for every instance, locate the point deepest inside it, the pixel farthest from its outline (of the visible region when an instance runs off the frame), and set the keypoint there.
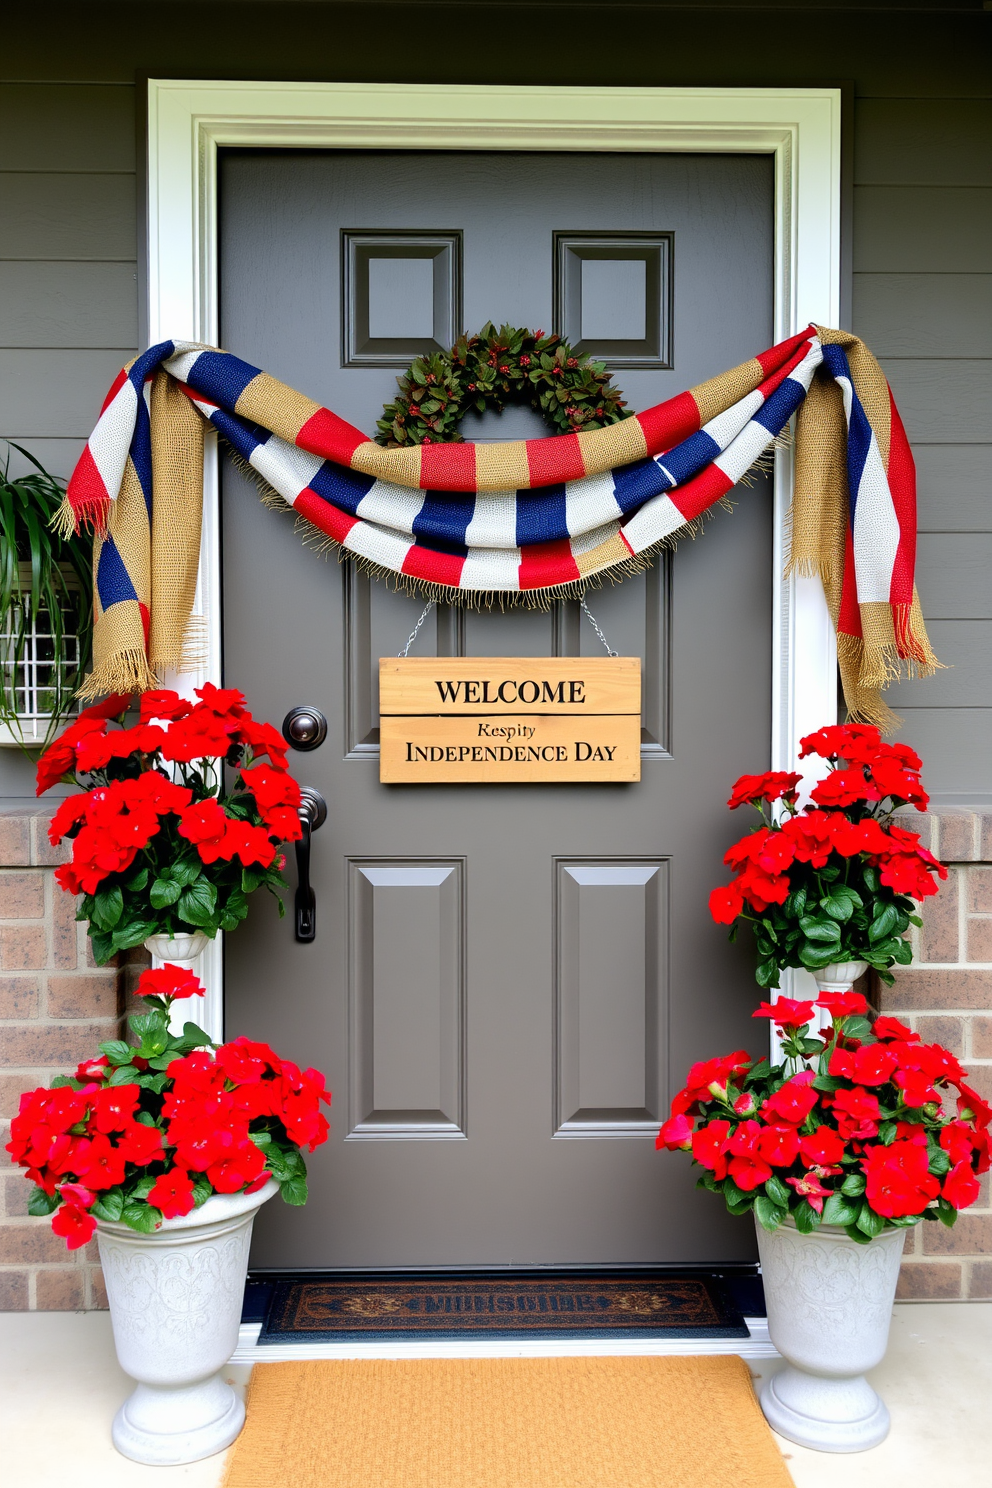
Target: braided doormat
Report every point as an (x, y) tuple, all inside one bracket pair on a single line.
[(494, 1304), (505, 1423)]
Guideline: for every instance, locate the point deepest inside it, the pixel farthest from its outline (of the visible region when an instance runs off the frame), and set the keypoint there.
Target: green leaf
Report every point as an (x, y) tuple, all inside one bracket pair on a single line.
[(108, 906), (887, 1133), (194, 1036), (853, 1185), (946, 1213), (294, 1190), (117, 1051), (163, 893), (103, 945), (815, 956), (859, 1236), (777, 1191), (137, 883), (109, 1205), (40, 1202), (859, 1028), (885, 921), (828, 1083), (837, 907), (838, 1211), (141, 1217), (202, 1190), (143, 1023), (124, 1074), (196, 904), (821, 931), (806, 1218), (766, 973), (127, 937), (770, 1215), (868, 1222)]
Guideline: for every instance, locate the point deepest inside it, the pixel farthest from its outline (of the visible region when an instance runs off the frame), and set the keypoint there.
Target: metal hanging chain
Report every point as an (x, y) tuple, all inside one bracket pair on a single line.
[(413, 634), (596, 627)]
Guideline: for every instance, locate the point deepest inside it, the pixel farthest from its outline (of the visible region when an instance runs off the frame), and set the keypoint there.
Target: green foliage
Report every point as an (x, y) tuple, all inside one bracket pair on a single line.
[(46, 575), (490, 370)]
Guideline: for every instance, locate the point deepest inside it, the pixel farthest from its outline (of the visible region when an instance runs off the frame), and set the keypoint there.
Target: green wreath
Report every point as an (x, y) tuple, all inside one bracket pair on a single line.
[(492, 369)]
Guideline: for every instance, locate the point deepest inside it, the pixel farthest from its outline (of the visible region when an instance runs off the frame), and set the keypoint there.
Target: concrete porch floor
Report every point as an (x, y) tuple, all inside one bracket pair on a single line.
[(60, 1386)]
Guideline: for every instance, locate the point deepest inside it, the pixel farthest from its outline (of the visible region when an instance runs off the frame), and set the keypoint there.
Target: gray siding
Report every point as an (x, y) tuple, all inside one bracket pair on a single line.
[(922, 226)]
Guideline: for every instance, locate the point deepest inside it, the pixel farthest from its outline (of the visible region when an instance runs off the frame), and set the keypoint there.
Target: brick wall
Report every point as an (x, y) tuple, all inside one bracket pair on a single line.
[(56, 1006), (946, 995)]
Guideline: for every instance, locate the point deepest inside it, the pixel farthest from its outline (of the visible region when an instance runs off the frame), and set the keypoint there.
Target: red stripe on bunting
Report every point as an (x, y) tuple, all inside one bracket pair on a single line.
[(669, 423), (552, 461), (115, 388), (330, 437), (547, 563), (330, 519), (447, 467), (88, 496), (773, 358), (697, 494), (902, 484), (435, 567), (777, 378), (849, 618)]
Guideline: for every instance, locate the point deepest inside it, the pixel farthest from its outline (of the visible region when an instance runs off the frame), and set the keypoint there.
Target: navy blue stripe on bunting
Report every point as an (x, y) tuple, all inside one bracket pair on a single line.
[(141, 451), (243, 437), (780, 405), (221, 376), (541, 516), (637, 483), (859, 429), (112, 579), (341, 487), (688, 458), (148, 362), (444, 519)]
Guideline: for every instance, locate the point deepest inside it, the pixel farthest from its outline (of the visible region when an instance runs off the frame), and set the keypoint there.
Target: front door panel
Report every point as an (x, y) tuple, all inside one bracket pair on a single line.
[(506, 980)]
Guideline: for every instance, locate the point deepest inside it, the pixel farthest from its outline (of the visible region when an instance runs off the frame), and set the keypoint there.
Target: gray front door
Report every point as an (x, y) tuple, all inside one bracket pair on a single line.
[(507, 982)]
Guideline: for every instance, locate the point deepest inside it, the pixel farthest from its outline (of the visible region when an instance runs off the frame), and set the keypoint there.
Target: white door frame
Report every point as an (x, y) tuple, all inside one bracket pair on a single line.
[(188, 121)]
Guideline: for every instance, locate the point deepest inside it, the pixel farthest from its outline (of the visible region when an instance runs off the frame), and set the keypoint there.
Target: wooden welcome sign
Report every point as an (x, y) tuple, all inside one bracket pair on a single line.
[(509, 718)]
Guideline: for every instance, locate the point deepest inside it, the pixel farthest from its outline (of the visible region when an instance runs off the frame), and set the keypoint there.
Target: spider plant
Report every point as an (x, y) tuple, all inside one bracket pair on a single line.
[(46, 605)]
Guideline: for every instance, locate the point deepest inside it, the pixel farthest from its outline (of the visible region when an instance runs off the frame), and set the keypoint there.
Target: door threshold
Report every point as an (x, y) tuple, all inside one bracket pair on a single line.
[(249, 1351)]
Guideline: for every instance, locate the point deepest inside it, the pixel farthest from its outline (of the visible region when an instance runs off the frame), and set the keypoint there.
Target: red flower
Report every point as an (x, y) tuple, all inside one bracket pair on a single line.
[(271, 787), (675, 1134), (709, 1146), (841, 1005), (779, 1145), (811, 1189), (262, 738), (891, 1028), (811, 836), (169, 981), (872, 1064), (970, 1104), (843, 788), (140, 1144), (748, 1166), (858, 742), (897, 1182), (772, 785), (205, 825), (856, 1113), (793, 1102), (163, 704), (242, 1166), (961, 1187), (726, 903), (917, 1088), (114, 1107), (70, 811), (102, 1165), (710, 1077), (957, 1141), (172, 1193), (786, 1012), (892, 779), (74, 1225), (223, 701), (821, 1148), (865, 836), (251, 844), (245, 1062), (745, 1105)]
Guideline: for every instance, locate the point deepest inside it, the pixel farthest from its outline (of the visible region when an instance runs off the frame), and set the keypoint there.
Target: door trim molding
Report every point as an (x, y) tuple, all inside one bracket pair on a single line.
[(189, 121)]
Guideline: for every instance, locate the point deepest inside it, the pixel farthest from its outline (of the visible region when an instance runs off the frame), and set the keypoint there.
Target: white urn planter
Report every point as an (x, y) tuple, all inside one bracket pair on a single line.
[(839, 976), (175, 1305), (181, 950), (829, 1304)]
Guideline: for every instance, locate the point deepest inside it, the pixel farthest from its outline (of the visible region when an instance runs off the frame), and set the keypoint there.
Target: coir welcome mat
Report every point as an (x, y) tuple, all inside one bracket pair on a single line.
[(520, 1305), (505, 1423)]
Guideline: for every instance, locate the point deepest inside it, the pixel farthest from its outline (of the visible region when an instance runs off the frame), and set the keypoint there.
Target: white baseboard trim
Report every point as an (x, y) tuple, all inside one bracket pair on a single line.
[(249, 1351)]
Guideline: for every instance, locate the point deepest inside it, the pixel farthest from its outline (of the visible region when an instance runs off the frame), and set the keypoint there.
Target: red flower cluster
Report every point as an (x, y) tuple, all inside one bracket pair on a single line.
[(871, 1128), (161, 779), (79, 1144)]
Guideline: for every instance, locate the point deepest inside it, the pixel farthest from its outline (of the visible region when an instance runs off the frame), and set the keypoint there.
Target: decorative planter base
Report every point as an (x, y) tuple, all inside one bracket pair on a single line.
[(829, 1309), (175, 1304)]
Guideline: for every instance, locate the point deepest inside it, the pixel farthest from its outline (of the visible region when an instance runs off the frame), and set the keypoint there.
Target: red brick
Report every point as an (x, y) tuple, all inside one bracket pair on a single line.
[(933, 1282), (60, 1291), (981, 1280), (924, 990), (971, 1236), (31, 1244), (98, 1291), (12, 1087), (980, 1079), (979, 933), (22, 896), (946, 1031), (981, 1038), (17, 1193), (64, 930), (939, 936), (957, 836), (23, 947), (18, 997), (15, 840), (53, 1047), (92, 996), (13, 1291), (978, 891), (986, 826), (42, 851)]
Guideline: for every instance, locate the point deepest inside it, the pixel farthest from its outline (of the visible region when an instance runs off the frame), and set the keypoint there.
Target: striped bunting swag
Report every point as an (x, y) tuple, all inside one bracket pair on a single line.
[(518, 521)]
